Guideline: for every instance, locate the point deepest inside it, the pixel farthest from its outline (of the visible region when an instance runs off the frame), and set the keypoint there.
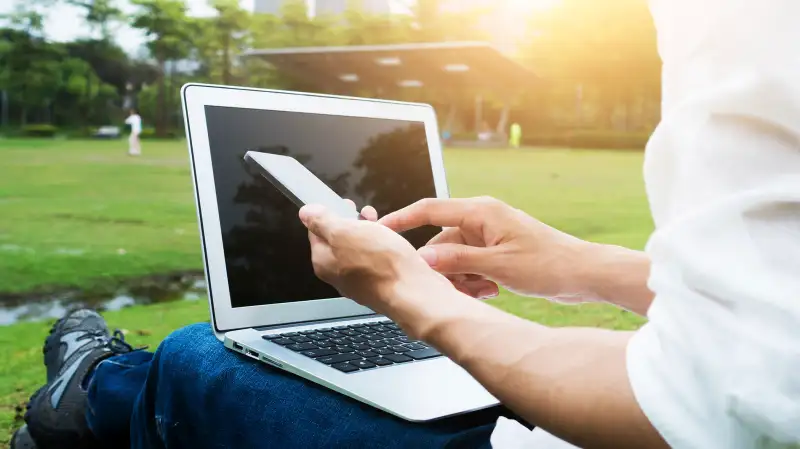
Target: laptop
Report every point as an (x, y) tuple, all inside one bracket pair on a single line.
[(266, 303)]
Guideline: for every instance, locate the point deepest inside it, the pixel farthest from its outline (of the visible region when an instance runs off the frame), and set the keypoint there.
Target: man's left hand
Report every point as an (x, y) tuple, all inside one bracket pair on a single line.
[(366, 261)]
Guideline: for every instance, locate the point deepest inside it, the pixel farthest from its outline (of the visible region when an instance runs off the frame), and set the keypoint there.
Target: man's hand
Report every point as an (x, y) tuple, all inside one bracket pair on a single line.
[(487, 241), (368, 262)]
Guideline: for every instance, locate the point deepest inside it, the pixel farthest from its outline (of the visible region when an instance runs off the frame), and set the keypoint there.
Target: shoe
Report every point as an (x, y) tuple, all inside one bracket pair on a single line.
[(56, 414)]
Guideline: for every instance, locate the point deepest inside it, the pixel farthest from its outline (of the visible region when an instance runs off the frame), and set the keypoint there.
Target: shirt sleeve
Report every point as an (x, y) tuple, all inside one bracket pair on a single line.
[(718, 364)]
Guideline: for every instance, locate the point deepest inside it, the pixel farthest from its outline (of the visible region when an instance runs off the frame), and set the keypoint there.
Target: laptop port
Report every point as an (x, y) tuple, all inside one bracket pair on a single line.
[(238, 347), (252, 354)]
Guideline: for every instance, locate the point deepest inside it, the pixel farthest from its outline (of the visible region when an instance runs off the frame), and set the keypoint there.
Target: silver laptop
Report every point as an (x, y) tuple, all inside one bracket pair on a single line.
[(266, 303)]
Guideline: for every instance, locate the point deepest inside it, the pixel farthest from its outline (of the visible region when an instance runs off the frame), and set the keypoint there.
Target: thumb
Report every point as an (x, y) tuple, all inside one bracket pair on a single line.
[(319, 220), (452, 258)]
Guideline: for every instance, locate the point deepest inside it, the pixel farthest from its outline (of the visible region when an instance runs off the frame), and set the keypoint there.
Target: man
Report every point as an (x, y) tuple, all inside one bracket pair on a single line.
[(716, 366), (135, 122)]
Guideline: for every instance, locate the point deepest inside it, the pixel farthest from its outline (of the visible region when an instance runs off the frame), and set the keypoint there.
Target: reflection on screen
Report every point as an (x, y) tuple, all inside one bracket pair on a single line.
[(383, 163)]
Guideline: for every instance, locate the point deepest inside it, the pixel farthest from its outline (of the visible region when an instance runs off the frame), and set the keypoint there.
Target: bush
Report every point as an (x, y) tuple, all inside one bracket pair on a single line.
[(150, 133), (608, 139), (41, 130), (597, 139)]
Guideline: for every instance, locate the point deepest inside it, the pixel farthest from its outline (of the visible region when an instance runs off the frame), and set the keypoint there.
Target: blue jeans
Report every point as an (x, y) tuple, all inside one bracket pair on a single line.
[(194, 393)]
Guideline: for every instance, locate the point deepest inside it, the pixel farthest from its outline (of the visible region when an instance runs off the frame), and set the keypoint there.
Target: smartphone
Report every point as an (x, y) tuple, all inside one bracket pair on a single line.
[(298, 184)]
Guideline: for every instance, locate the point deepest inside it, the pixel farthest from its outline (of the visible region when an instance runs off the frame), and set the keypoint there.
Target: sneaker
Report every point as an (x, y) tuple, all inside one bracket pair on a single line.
[(56, 415)]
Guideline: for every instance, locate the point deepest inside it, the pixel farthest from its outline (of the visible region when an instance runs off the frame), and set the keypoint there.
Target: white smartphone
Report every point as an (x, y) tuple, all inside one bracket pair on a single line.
[(298, 184)]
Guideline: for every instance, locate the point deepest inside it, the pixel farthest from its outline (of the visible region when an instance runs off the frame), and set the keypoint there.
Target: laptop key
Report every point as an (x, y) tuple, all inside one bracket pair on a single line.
[(291, 334), (380, 361), (301, 347), (399, 333), (363, 330), (362, 364), (301, 339), (333, 334), (356, 339), (366, 354), (345, 367), (393, 326), (414, 346), (356, 326), (340, 341), (371, 336), (399, 348), (373, 324), (403, 339), (284, 341), (422, 354), (397, 358), (344, 349), (350, 332), (272, 337), (377, 344), (388, 335), (317, 336), (338, 358), (312, 331), (359, 346), (383, 351), (314, 353), (324, 343)]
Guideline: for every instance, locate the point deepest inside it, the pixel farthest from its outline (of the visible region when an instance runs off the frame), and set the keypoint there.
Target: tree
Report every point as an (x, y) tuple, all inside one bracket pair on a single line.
[(221, 37), (169, 31), (100, 15), (29, 70), (599, 59)]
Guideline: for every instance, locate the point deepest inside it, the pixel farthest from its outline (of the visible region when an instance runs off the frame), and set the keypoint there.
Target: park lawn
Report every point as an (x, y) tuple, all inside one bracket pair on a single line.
[(82, 213)]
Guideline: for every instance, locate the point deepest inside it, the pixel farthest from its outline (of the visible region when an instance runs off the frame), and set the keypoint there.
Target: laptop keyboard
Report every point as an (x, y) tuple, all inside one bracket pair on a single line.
[(356, 347)]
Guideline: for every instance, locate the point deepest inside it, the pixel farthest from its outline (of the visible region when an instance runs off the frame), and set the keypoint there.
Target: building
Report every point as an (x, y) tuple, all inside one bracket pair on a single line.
[(267, 6), (339, 6), (323, 7)]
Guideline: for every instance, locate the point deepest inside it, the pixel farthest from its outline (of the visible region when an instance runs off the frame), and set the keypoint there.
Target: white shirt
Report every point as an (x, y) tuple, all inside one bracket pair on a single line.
[(718, 364), (136, 123)]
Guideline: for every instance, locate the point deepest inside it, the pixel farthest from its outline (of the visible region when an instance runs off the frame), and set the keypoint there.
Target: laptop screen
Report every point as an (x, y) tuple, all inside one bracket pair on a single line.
[(378, 162)]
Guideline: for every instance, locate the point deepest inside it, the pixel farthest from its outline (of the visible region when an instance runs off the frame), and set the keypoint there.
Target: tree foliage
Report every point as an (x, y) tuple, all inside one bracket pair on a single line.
[(596, 62)]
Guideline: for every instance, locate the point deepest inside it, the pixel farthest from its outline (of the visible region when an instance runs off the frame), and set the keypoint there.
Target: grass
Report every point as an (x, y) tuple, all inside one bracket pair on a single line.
[(82, 213)]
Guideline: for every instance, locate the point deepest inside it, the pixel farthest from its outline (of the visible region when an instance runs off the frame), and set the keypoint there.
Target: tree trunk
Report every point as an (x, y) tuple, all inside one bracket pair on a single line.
[(162, 99), (226, 58)]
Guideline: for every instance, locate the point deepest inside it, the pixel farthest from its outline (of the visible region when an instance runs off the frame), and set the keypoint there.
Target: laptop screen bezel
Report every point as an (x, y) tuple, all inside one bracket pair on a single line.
[(195, 98)]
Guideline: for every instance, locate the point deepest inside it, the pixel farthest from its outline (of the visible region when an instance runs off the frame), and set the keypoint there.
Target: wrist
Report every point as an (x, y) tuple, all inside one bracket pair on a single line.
[(614, 275), (419, 305)]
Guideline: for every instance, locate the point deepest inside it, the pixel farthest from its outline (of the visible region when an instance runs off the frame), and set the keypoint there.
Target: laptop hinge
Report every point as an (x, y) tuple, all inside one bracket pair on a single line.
[(305, 323)]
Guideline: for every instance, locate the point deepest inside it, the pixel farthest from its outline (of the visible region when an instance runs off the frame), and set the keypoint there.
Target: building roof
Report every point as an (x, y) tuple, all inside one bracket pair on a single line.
[(444, 65)]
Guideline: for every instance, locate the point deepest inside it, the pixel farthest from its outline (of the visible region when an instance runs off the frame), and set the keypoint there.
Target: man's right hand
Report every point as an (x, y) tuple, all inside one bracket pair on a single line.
[(487, 242)]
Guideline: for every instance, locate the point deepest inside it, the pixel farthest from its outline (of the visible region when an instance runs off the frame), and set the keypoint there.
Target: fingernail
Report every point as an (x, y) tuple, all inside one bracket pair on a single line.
[(487, 293), (429, 255)]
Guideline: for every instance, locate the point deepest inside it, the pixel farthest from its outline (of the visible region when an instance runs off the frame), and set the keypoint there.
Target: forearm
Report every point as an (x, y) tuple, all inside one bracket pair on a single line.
[(616, 275), (570, 382)]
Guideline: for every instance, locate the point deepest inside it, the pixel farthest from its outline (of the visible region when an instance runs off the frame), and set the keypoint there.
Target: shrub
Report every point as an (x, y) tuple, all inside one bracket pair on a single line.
[(41, 130), (592, 139), (150, 133)]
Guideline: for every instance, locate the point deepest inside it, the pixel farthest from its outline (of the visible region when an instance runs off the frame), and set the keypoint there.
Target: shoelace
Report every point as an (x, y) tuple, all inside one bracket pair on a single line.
[(117, 343)]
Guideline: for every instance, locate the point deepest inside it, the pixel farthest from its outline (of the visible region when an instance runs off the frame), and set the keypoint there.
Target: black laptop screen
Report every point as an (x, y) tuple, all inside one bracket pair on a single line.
[(383, 163)]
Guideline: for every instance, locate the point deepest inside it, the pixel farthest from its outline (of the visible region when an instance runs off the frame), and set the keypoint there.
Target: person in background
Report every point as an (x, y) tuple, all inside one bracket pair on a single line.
[(135, 122), (515, 136)]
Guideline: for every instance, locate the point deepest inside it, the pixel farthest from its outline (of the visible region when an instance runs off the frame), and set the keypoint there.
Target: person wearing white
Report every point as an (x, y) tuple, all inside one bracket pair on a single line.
[(718, 363), (135, 122)]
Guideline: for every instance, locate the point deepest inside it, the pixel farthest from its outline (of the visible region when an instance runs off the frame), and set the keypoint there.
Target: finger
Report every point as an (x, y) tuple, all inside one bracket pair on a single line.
[(480, 289), (350, 203), (369, 213), (320, 221), (450, 258), (449, 213), (322, 258), (449, 235)]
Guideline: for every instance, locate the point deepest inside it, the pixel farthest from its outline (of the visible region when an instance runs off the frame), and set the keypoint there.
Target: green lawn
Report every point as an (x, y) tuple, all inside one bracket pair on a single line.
[(82, 213)]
